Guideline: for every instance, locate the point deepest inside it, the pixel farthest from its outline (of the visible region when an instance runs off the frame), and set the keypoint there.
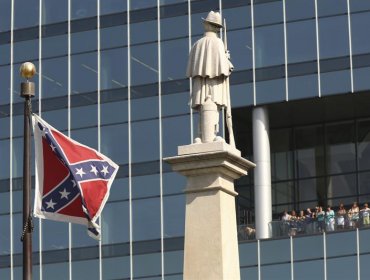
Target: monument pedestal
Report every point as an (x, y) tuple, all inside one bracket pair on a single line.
[(211, 245)]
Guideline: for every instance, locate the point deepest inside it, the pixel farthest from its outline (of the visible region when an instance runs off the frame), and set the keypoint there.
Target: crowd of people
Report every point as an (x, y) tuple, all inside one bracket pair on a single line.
[(319, 220)]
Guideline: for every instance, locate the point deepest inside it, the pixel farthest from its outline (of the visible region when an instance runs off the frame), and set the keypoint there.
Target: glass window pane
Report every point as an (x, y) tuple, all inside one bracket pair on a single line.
[(141, 4), (147, 265), (341, 154), (112, 6), (114, 222), (331, 7), (175, 104), (345, 268), (4, 235), (174, 27), (240, 47), (303, 86), (84, 41), (49, 242), (335, 246), (174, 59), (241, 95), (309, 270), (54, 79), (282, 193), (85, 269), (145, 186), (5, 82), (173, 262), (59, 271), (311, 192), (144, 64), (360, 79), (29, 8), (333, 36), (301, 41), (299, 9), (26, 51), (54, 11), (173, 136), (268, 13), (113, 74), (146, 219), (310, 151), (119, 33), (359, 5), (5, 15), (335, 82), (265, 37), (364, 266), (142, 149), (248, 254), (174, 215), (282, 167), (5, 54), (270, 271), (116, 268), (173, 182), (239, 17), (305, 248), (114, 142), (84, 73), (270, 91), (275, 251), (360, 42), (54, 46), (83, 9)]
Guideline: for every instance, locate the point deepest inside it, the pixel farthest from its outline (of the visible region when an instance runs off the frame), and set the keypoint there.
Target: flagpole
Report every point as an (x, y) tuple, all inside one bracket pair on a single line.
[(27, 70)]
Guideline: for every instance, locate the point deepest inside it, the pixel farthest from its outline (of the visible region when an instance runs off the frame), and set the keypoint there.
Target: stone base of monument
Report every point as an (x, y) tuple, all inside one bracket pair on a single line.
[(211, 245)]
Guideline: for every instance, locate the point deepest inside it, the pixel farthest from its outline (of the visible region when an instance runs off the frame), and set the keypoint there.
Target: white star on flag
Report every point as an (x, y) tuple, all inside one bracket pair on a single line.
[(94, 170), (105, 170), (80, 172), (52, 147), (64, 194), (50, 204)]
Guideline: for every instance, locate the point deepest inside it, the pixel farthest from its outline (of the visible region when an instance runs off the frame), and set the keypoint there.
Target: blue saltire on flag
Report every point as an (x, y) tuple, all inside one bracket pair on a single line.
[(72, 180)]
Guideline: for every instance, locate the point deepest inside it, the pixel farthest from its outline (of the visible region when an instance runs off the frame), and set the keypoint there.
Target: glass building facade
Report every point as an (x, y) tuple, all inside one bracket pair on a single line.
[(111, 74)]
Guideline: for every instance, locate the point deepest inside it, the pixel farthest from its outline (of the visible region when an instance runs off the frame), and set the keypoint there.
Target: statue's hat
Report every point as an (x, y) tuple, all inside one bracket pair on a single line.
[(214, 18)]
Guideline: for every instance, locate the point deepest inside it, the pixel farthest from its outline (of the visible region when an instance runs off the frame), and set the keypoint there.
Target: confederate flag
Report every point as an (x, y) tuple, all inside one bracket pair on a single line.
[(72, 180)]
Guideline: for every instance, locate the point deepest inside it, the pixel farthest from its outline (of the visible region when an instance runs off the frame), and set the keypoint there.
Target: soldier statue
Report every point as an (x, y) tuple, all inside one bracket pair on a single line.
[(209, 67)]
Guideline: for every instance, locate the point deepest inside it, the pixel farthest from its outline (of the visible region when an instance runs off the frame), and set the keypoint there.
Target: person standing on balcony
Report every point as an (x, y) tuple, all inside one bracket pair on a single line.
[(365, 214), (329, 219), (321, 219), (341, 215)]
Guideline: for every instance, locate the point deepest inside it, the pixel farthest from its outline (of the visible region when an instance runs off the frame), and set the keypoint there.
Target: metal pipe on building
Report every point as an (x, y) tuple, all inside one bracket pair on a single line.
[(262, 172)]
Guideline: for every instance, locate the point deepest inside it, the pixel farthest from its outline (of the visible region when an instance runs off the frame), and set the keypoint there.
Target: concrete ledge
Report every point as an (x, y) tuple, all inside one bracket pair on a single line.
[(205, 148)]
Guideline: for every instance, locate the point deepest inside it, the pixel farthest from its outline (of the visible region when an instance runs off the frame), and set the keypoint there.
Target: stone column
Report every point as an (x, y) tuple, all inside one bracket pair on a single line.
[(211, 245), (262, 173)]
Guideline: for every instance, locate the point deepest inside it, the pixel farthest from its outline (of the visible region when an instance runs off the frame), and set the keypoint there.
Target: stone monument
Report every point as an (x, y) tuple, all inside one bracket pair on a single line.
[(210, 165)]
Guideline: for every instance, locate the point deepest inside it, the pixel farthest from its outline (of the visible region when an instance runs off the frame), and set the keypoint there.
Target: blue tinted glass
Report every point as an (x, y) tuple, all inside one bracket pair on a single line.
[(113, 74), (364, 266), (363, 145), (174, 27), (173, 262), (143, 32), (84, 73), (26, 51), (144, 108), (174, 215), (4, 54), (249, 273), (140, 4), (364, 236), (59, 271), (80, 237), (336, 247), (239, 17), (4, 235), (248, 254), (268, 13), (84, 116), (176, 132), (145, 140), (331, 7), (49, 230), (116, 268), (361, 79), (240, 47), (18, 227), (114, 142), (17, 157), (271, 271), (146, 219), (173, 182), (265, 37), (359, 5), (88, 137), (54, 79), (83, 9), (241, 95), (144, 64), (174, 59), (84, 41), (113, 231), (309, 270), (112, 6), (85, 269), (303, 87), (5, 84), (119, 189), (175, 104), (26, 13), (275, 251), (145, 186), (333, 36), (119, 33), (4, 202), (335, 82), (147, 265), (54, 46), (54, 11), (5, 272), (342, 268), (360, 42), (301, 36), (308, 247), (5, 15), (106, 112), (270, 91), (57, 119), (299, 9)]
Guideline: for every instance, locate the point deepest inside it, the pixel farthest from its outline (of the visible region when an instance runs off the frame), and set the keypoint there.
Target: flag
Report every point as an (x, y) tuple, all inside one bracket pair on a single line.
[(72, 180)]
